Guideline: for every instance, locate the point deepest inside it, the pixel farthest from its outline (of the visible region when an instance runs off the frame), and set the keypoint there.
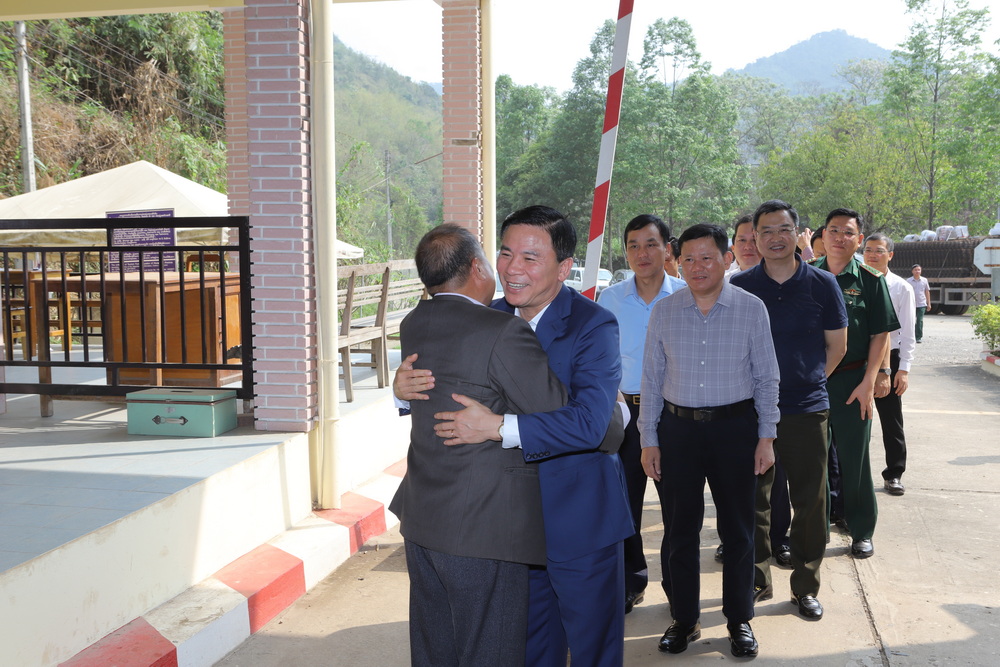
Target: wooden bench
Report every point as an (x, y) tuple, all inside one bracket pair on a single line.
[(373, 299)]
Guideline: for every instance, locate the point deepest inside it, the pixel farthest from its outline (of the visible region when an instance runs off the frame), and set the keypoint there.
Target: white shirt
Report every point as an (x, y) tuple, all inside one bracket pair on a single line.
[(920, 288), (903, 302)]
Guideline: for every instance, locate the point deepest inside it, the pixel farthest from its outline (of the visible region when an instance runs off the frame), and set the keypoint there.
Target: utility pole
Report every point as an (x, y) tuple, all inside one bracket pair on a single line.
[(388, 202), (24, 94)]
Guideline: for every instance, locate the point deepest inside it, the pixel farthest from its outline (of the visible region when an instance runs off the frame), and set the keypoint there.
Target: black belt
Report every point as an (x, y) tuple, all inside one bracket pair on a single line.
[(709, 414), (850, 366), (631, 398)]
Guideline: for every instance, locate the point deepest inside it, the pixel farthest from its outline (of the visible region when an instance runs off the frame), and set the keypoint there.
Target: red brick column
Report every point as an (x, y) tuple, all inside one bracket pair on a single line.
[(269, 171), (462, 102)]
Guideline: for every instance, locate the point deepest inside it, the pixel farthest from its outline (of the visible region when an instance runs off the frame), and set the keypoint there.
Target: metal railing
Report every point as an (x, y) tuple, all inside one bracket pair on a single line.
[(172, 314)]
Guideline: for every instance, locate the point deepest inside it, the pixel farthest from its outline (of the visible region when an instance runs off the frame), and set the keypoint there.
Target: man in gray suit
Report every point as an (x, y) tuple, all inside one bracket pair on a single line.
[(470, 515)]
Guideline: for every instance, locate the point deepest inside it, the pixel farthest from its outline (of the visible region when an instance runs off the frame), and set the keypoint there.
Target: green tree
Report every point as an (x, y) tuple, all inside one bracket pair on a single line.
[(523, 113), (925, 81), (677, 144)]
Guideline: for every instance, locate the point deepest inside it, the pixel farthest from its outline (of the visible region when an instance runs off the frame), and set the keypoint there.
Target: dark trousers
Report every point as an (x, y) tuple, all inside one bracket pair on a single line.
[(781, 509), (890, 414), (918, 325), (851, 435), (465, 611), (836, 501), (722, 452), (636, 571), (801, 448), (578, 606)]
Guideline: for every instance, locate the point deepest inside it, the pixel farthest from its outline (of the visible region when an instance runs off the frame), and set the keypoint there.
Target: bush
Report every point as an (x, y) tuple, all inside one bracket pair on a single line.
[(986, 324)]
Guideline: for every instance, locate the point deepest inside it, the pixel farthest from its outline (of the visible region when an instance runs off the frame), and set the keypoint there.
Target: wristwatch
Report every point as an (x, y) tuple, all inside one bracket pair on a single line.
[(887, 371), (500, 428)]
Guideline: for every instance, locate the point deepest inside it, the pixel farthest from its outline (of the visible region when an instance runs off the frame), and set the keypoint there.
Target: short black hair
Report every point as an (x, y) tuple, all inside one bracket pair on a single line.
[(560, 230), (773, 205), (702, 230), (643, 221), (742, 220), (846, 213), (817, 236), (445, 254), (879, 236)]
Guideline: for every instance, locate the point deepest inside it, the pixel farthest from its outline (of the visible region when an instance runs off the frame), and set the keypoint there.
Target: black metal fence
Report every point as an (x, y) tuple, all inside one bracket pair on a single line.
[(175, 314)]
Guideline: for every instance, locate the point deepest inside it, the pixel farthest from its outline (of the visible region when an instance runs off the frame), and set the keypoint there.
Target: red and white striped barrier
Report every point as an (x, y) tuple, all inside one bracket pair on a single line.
[(606, 158)]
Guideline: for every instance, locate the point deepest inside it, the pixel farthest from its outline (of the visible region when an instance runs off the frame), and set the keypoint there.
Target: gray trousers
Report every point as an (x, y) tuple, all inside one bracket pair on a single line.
[(466, 612)]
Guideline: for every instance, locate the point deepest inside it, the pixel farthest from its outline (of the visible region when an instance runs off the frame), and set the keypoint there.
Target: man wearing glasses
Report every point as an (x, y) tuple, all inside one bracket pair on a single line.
[(809, 328), (851, 386)]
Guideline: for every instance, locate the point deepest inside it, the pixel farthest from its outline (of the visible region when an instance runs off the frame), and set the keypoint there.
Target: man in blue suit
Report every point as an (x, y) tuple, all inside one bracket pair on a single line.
[(576, 600)]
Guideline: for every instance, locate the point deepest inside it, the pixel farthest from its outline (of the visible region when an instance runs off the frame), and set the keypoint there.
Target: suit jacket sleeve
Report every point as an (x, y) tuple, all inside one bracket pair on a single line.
[(592, 363), (519, 370)]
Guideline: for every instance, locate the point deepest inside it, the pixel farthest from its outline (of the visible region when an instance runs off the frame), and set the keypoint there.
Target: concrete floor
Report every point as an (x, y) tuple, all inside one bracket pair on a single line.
[(927, 597)]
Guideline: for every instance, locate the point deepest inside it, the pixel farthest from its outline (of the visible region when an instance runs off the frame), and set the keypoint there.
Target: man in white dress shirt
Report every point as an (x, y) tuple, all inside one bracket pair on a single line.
[(894, 375)]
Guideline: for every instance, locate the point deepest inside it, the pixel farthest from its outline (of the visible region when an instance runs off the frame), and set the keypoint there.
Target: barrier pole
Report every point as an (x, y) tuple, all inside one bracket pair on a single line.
[(606, 158)]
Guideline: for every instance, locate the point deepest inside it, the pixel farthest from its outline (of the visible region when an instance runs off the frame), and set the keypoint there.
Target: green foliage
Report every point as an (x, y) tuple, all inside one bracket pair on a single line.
[(986, 325), (108, 91), (382, 115)]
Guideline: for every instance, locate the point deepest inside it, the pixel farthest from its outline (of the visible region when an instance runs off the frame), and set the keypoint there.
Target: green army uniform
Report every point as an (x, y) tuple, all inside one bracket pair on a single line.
[(869, 312)]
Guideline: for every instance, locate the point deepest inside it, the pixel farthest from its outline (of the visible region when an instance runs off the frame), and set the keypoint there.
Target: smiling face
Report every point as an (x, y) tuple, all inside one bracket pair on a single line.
[(528, 268), (877, 254), (842, 238), (745, 247), (704, 266), (775, 235), (646, 252)]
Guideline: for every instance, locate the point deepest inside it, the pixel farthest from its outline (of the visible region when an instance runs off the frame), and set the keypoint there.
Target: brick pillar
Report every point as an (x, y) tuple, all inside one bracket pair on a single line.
[(237, 154), (269, 171), (462, 103)]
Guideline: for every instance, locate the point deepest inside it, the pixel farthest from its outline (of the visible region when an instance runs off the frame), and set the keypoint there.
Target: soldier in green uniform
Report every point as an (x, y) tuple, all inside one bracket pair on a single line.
[(870, 318)]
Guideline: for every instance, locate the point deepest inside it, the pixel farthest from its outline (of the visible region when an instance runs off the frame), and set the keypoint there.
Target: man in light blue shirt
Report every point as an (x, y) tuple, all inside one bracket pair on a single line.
[(646, 240)]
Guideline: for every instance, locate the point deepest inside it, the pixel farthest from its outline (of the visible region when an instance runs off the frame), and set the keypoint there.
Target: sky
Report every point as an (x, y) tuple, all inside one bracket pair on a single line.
[(540, 41)]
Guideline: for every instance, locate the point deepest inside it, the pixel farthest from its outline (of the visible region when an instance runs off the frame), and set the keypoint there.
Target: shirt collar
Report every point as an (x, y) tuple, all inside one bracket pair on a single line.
[(533, 322), (464, 296), (665, 286)]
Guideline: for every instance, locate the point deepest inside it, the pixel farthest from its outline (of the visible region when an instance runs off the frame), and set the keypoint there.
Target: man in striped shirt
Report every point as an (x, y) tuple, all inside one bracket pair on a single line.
[(709, 410)]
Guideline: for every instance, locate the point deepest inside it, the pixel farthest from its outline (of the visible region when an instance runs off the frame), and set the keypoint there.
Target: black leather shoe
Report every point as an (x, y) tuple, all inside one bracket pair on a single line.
[(677, 637), (761, 593), (894, 487), (783, 556), (718, 554), (809, 606), (839, 522), (741, 639), (862, 549), (632, 599)]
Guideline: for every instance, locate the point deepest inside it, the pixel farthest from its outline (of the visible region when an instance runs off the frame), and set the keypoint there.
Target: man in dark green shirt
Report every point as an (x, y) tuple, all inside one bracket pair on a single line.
[(870, 318)]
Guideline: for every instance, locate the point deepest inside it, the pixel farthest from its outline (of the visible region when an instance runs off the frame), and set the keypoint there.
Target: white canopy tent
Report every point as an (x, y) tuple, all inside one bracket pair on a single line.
[(140, 186)]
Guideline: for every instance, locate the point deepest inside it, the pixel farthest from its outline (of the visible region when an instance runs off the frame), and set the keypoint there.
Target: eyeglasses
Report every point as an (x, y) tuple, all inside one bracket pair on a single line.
[(846, 233), (772, 232), (876, 251)]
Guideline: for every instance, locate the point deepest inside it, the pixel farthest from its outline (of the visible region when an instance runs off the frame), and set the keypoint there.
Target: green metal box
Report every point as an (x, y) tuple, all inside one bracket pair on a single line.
[(188, 412)]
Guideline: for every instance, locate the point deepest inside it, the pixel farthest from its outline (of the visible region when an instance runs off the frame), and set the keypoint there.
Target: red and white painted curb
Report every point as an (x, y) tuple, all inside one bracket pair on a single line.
[(990, 359), (203, 624)]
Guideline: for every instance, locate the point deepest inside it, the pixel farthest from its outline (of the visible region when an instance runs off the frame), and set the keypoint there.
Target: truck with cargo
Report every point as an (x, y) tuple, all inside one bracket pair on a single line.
[(948, 266)]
